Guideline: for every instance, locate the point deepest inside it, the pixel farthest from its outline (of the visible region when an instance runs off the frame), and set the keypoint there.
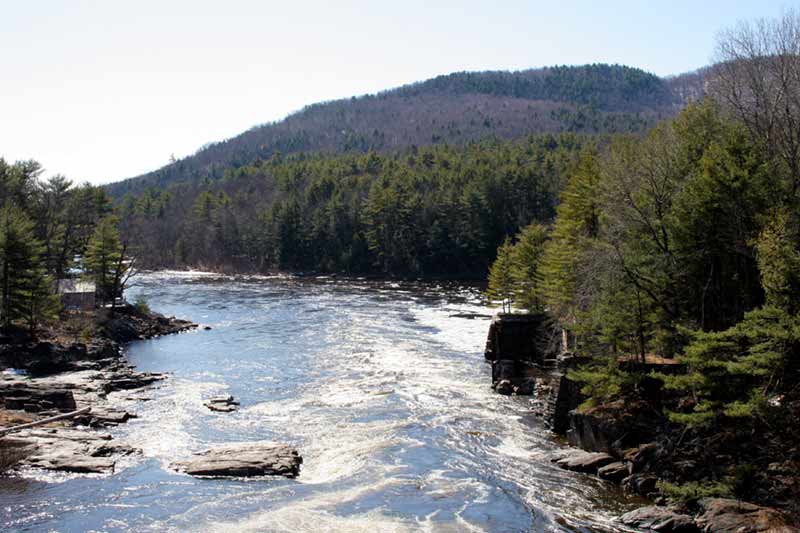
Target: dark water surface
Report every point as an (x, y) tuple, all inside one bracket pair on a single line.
[(384, 393)]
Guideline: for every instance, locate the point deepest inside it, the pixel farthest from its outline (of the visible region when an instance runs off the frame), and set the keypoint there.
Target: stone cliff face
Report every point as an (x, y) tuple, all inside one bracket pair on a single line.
[(630, 441), (518, 346), (523, 352)]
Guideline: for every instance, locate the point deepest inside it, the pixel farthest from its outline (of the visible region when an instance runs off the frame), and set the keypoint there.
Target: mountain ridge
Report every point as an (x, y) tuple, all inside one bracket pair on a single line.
[(454, 108)]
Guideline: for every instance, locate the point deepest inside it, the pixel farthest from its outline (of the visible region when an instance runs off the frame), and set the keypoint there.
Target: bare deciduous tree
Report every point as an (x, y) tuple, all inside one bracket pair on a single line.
[(757, 77)]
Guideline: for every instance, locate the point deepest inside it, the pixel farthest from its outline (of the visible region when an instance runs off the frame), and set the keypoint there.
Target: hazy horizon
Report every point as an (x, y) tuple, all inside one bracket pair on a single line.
[(103, 92)]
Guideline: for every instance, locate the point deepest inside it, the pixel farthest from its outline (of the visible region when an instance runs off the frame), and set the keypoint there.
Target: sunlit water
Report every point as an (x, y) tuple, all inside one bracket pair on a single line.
[(384, 393)]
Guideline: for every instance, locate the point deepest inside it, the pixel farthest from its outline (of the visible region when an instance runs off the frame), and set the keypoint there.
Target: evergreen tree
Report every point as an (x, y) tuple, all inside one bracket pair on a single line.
[(527, 257), (103, 259), (501, 277), (38, 302), (26, 292), (779, 261), (577, 226), (734, 372)]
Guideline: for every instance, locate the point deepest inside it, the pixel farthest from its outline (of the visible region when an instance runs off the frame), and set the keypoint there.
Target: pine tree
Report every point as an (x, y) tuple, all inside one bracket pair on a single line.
[(103, 259), (733, 372), (577, 226), (501, 277), (779, 261), (527, 257), (38, 302), (26, 292)]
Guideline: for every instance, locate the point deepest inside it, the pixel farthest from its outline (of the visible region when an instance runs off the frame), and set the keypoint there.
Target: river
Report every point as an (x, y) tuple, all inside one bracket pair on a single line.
[(379, 386)]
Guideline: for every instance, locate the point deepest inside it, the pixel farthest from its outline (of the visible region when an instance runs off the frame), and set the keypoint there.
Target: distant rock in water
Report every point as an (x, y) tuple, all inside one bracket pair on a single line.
[(244, 459), (470, 316), (222, 404)]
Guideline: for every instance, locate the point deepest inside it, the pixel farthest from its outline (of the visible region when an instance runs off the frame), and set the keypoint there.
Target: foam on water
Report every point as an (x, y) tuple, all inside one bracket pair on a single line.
[(382, 388)]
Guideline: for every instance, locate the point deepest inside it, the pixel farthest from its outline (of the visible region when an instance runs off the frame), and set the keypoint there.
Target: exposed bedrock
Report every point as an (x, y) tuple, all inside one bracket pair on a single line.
[(613, 427), (661, 519), (726, 515), (517, 346), (244, 459)]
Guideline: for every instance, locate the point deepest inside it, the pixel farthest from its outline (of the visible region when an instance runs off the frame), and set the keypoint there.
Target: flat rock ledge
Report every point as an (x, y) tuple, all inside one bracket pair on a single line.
[(719, 515), (243, 459), (68, 450), (661, 519), (582, 461), (222, 404), (727, 515)]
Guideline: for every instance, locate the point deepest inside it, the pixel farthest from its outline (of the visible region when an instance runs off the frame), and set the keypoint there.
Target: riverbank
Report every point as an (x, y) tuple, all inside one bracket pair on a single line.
[(745, 475), (70, 366)]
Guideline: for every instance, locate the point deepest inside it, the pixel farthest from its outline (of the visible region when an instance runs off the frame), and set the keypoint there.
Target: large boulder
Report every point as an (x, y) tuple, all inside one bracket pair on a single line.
[(518, 337), (662, 519), (587, 462), (722, 515), (244, 459), (644, 484), (613, 427), (614, 472), (645, 455), (24, 395)]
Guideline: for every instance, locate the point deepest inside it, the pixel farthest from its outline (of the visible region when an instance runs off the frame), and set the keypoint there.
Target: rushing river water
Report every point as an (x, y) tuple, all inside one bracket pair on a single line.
[(382, 390)]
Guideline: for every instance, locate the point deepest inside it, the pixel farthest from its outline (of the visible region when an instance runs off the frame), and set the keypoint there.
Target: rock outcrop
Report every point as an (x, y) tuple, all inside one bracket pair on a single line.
[(723, 515), (246, 459), (613, 427), (515, 346), (222, 404), (661, 519), (582, 461), (71, 450), (68, 376), (129, 325)]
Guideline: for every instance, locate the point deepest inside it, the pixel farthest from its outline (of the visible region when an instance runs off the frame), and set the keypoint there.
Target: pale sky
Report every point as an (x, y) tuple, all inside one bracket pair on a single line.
[(105, 90)]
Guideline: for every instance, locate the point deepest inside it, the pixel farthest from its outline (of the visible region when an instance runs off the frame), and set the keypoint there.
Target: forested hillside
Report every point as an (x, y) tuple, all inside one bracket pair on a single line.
[(452, 109), (685, 243), (439, 210)]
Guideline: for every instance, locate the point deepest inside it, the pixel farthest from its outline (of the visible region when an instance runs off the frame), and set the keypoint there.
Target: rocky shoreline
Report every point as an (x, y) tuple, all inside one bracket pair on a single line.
[(631, 444), (52, 376)]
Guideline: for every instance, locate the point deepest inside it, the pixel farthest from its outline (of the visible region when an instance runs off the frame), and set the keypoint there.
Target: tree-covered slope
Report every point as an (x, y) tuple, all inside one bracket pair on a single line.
[(452, 109)]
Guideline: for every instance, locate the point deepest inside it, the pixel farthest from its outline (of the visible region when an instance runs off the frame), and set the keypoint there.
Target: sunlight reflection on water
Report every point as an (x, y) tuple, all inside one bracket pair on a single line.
[(380, 386)]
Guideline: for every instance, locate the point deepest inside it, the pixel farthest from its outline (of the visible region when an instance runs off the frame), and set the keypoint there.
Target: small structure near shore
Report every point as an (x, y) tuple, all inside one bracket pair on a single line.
[(76, 294)]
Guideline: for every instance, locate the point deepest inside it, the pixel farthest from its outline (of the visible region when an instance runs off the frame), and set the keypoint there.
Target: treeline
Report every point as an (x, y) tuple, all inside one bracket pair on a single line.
[(683, 243), (438, 210), (454, 109), (686, 243), (44, 226), (603, 86)]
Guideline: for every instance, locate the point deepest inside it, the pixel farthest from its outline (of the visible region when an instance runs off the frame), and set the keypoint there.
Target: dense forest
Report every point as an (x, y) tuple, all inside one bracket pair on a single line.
[(685, 243), (51, 230), (455, 109), (438, 210), (650, 220), (451, 168)]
